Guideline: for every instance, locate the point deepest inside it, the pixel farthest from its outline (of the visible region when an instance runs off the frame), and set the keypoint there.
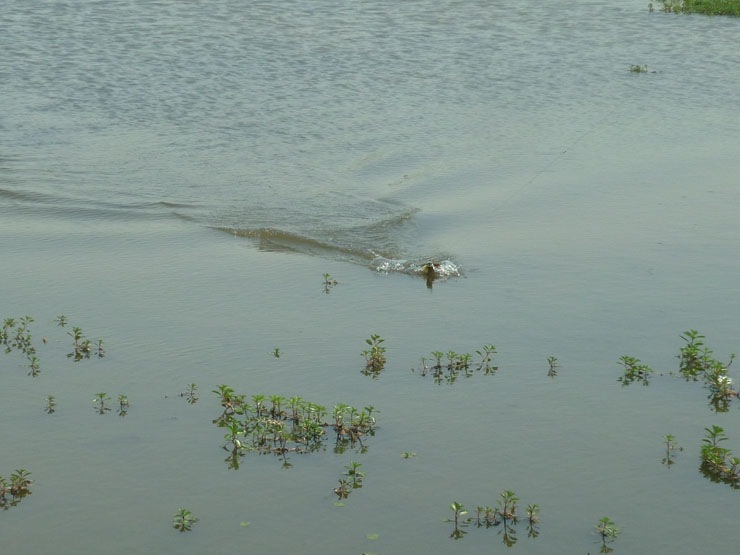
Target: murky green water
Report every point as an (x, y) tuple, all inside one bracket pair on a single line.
[(181, 190)]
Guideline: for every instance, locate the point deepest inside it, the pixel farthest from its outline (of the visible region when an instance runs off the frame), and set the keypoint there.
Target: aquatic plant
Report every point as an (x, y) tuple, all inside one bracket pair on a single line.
[(694, 356), (696, 361), (458, 511), (608, 532), (355, 474), (507, 504), (183, 520), (504, 517), (457, 364), (718, 463), (33, 366), (634, 370), (329, 282), (288, 425), (16, 336), (123, 405), (190, 394), (100, 401), (533, 518), (276, 353), (343, 489), (670, 447), (706, 7), (84, 347), (11, 493), (374, 356), (553, 363), (51, 404), (408, 454), (638, 68)]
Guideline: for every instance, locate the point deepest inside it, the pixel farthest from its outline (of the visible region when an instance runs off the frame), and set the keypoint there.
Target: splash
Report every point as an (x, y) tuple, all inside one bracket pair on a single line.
[(430, 269)]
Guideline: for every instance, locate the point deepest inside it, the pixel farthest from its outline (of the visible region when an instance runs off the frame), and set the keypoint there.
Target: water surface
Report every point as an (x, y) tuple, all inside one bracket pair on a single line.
[(177, 177)]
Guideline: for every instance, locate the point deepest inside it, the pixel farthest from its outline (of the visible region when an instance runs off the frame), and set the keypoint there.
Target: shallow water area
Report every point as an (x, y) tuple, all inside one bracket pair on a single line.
[(204, 186)]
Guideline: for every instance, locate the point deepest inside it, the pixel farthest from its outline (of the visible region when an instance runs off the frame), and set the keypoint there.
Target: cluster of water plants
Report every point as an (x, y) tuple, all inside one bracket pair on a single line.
[(15, 335), (636, 68), (696, 362), (101, 400), (83, 347), (634, 371), (279, 425), (707, 7), (13, 491), (448, 366), (718, 463), (503, 515)]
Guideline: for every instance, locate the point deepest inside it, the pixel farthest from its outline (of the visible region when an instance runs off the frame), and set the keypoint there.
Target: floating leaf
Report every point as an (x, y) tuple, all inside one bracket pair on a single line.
[(372, 536), (244, 524)]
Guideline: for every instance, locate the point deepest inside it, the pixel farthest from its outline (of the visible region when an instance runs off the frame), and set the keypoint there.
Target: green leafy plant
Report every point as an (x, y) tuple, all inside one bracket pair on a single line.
[(16, 489), (634, 371), (329, 282), (374, 356), (507, 504), (670, 447), (706, 7), (51, 404), (15, 335), (533, 518), (608, 532), (553, 363), (190, 394), (183, 520), (100, 401), (278, 425), (276, 353), (343, 489), (718, 463), (12, 492), (355, 474), (638, 68), (123, 405), (458, 511), (458, 364)]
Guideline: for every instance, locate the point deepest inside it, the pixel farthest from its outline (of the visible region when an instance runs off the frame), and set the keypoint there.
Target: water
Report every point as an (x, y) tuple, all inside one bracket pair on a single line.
[(161, 164)]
